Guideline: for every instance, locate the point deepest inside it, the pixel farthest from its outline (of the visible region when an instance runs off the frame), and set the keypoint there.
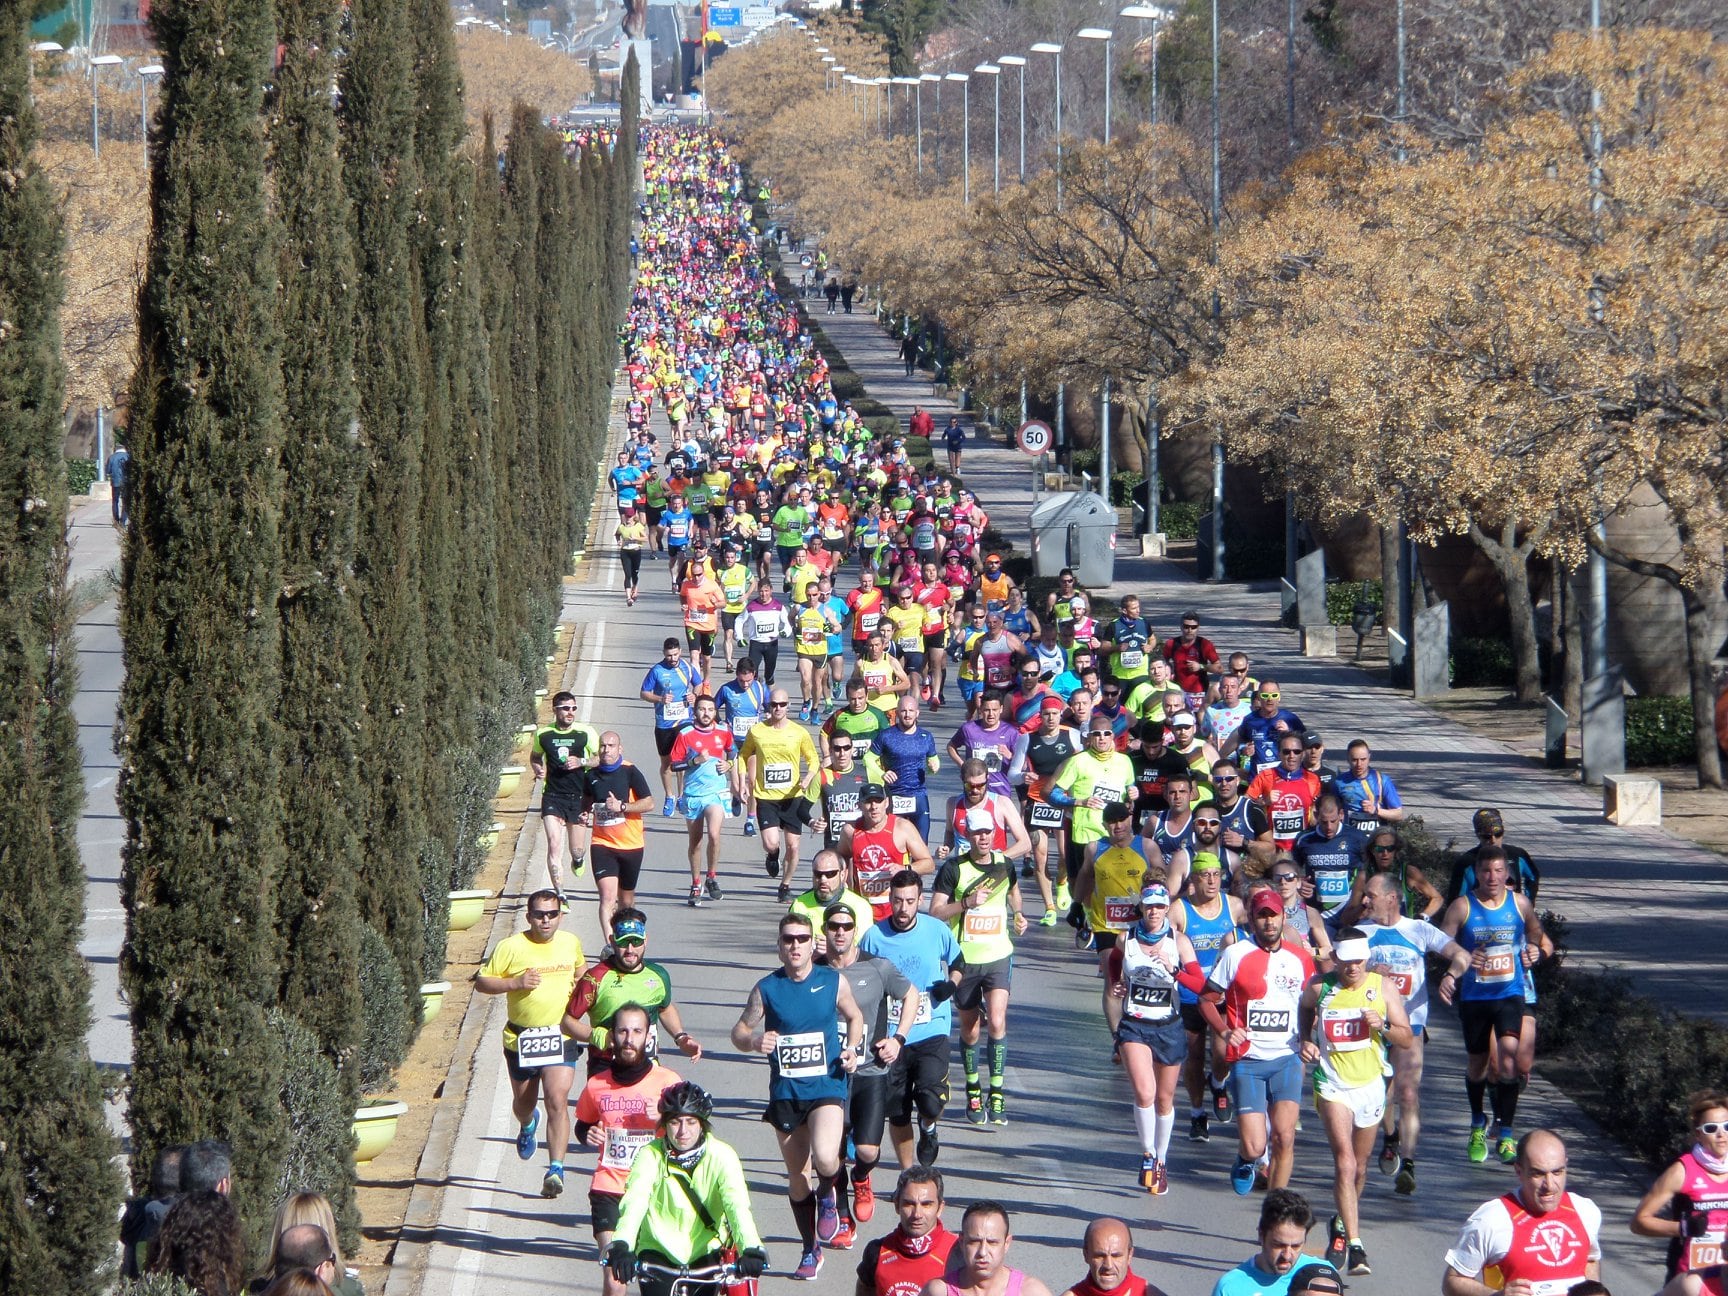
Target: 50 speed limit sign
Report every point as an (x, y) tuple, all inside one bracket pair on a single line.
[(1035, 437)]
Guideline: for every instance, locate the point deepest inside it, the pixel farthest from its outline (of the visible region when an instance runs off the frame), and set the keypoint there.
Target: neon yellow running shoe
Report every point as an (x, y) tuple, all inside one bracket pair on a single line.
[(1478, 1143)]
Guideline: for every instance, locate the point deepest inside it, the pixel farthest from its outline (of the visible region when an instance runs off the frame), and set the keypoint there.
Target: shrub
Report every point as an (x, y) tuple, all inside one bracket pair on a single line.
[(1342, 596), (388, 1029), (156, 1284), (1482, 661), (1427, 852), (320, 1110), (1180, 520), (884, 425), (1659, 731), (80, 473)]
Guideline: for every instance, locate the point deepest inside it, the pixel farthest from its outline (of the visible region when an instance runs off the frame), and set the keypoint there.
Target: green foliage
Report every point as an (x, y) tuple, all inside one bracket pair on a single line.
[(157, 1285), (389, 1027), (199, 729), (320, 1104), (80, 476), (59, 1191), (1251, 556), (886, 425), (1342, 597), (1484, 661), (1659, 731), (1427, 852), (1180, 520)]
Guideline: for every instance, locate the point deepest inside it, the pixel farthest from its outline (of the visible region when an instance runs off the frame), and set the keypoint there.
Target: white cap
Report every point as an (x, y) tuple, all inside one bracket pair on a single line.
[(979, 817), (1181, 718)]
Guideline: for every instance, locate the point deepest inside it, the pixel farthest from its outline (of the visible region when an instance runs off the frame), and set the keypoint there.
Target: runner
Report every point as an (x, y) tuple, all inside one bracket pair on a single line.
[(906, 631), (1038, 756), (616, 1114), (1280, 1267), (1011, 837), (619, 795), (978, 1265), (875, 983), (733, 576), (1257, 741), (924, 949), (1259, 983), (830, 889), (1108, 1249), (1331, 855), (1098, 777), (979, 896), (709, 780), (1537, 1240), (1349, 1017), (857, 720), (1417, 896), (702, 599), (1107, 894), (1286, 792), (562, 751), (678, 525), (1142, 972), (743, 703), (1370, 797), (879, 846), (631, 533), (843, 782), (535, 970), (812, 625), (790, 1018), (1192, 659), (990, 739), (1398, 949), (1504, 936), (916, 1251), (784, 770), (671, 684), (907, 752), (1210, 918), (1688, 1203), (763, 625), (883, 677), (625, 975)]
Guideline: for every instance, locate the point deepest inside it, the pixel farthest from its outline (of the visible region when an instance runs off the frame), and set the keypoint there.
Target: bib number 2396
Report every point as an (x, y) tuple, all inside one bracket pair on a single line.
[(802, 1057)]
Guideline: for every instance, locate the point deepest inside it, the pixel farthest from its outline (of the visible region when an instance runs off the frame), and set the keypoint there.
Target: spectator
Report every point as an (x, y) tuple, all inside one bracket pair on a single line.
[(202, 1244), (142, 1219), (298, 1282), (301, 1248), (312, 1208), (119, 473), (207, 1167)]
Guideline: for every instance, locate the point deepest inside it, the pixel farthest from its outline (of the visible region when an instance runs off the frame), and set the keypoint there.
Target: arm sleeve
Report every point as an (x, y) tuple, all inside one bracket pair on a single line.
[(1190, 977)]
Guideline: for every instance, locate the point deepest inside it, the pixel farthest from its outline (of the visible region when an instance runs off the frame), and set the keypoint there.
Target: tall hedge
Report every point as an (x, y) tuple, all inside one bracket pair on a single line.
[(201, 743), (58, 1189)]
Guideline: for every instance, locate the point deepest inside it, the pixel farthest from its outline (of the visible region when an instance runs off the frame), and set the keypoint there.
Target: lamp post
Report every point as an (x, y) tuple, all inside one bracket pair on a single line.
[(965, 135), (1101, 34), (1217, 307), (99, 61), (1155, 15), (146, 74), (995, 75), (1016, 61), (922, 78), (1051, 47)]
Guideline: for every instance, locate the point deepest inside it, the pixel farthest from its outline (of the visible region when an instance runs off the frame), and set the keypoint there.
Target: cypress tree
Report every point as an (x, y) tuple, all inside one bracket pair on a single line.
[(199, 735), (528, 490), (323, 644), (381, 177), (58, 1188)]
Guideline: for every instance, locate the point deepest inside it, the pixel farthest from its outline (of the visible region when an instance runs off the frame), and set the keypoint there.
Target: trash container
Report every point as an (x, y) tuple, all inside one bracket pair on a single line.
[(1075, 529)]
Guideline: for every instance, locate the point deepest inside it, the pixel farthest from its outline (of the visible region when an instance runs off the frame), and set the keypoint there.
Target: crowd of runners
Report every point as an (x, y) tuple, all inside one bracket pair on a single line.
[(1261, 943)]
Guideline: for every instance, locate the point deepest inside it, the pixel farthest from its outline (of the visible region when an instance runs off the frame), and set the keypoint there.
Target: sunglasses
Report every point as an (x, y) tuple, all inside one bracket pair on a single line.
[(1190, 625), (795, 938), (562, 707), (827, 873), (540, 914), (1284, 877), (1495, 833), (1712, 1127), (1384, 850), (1289, 751), (840, 747), (771, 705), (1101, 733), (840, 926), (629, 942), (1208, 823), (977, 787), (1269, 697), (1225, 778)]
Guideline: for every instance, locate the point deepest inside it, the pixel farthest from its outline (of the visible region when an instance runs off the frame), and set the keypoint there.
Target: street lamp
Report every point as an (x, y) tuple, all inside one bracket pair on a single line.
[(965, 135), (1156, 16), (1015, 60), (995, 74), (922, 78), (99, 61), (1101, 34), (146, 74), (1050, 47)]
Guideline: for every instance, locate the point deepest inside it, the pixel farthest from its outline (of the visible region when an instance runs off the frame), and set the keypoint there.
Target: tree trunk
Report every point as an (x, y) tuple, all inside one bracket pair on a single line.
[(1511, 563), (1701, 610), (1391, 595), (1573, 679)]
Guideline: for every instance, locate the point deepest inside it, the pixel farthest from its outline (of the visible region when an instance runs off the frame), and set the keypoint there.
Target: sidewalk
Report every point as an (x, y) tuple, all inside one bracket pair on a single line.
[(1640, 900)]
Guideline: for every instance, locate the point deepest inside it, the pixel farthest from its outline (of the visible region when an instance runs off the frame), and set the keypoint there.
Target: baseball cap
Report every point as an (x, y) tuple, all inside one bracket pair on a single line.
[(873, 792), (1154, 895), (1052, 703), (1321, 1279), (1487, 817), (1312, 739), (629, 929), (1265, 902), (978, 818)]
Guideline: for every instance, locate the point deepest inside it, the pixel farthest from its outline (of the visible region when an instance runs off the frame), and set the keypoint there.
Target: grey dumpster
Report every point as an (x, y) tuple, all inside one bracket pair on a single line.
[(1075, 529)]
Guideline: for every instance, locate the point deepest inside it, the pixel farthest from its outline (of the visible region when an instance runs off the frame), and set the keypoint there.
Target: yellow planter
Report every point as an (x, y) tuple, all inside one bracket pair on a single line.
[(467, 908), (432, 999), (510, 778), (525, 736), (375, 1127), (489, 838)]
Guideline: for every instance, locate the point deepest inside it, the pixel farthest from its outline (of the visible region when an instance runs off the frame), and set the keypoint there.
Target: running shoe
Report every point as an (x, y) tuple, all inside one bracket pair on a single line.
[(1160, 1181), (563, 903), (1358, 1259), (525, 1137), (929, 1146), (1506, 1149), (1405, 1183), (827, 1217), (998, 1108), (750, 826), (1221, 1108), (975, 1104), (1049, 918), (695, 901), (863, 1200), (1337, 1243), (846, 1237), (809, 1265), (553, 1184), (1199, 1130), (1478, 1143), (804, 713), (783, 894), (924, 693), (1389, 1153), (1262, 1178), (771, 865), (936, 703), (1242, 1178), (667, 806), (1148, 1172), (712, 886), (1063, 898)]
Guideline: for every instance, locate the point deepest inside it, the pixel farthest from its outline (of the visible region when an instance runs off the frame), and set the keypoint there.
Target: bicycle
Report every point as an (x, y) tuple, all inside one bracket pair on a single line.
[(683, 1280)]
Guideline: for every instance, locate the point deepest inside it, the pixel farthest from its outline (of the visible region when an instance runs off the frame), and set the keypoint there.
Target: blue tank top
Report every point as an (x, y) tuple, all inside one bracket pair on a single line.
[(805, 1064), (1018, 622), (1500, 931), (1206, 935)]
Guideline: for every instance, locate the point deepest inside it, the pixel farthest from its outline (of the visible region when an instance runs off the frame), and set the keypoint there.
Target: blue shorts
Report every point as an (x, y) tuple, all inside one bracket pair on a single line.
[(696, 807), (1256, 1083), (971, 689)]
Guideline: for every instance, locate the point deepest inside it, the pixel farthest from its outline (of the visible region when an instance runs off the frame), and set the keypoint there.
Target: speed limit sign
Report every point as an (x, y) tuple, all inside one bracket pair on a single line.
[(1034, 437)]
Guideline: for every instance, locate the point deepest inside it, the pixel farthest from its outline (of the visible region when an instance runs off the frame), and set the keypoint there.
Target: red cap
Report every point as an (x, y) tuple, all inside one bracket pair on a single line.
[(1265, 902)]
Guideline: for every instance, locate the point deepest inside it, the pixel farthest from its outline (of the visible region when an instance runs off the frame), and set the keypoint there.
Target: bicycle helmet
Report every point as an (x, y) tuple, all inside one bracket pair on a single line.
[(687, 1099)]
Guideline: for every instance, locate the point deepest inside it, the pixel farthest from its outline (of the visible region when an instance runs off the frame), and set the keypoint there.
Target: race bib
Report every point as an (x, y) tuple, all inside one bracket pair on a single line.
[(894, 1012), (1703, 1253), (1268, 1021), (1045, 815), (619, 1150), (539, 1046), (909, 643), (810, 638), (675, 711), (1345, 1030), (777, 775), (1331, 887), (843, 806), (868, 621), (1146, 995), (1499, 965), (1131, 659), (992, 758), (802, 1057), (903, 805), (981, 924), (742, 725), (1288, 823), (1121, 912), (1403, 982), (1108, 793)]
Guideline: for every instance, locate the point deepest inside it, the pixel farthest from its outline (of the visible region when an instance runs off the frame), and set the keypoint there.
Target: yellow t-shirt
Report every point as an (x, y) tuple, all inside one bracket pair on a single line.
[(778, 750), (908, 626), (1084, 774), (1116, 877), (560, 962), (802, 577)]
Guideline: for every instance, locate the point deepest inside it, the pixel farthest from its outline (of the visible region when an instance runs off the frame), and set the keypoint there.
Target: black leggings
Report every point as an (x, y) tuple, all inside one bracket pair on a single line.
[(632, 560), (764, 657)]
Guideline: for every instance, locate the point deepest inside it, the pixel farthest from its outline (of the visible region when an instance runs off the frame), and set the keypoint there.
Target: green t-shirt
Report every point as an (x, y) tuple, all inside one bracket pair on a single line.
[(789, 521)]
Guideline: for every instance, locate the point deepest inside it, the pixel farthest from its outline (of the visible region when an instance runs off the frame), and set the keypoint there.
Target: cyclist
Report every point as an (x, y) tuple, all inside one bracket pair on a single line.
[(562, 751), (625, 975), (684, 1200)]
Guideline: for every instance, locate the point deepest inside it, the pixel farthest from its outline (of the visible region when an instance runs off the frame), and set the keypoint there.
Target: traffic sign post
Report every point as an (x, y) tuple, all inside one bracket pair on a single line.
[(725, 17), (1034, 438)]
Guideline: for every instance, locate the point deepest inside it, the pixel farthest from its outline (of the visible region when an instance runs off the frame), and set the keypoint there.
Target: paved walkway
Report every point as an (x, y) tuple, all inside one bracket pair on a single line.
[(1640, 900)]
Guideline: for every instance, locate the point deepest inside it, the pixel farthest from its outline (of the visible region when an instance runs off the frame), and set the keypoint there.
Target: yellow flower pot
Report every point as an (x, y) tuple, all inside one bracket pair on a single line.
[(510, 778), (467, 908), (489, 838), (432, 999), (375, 1126), (525, 736)]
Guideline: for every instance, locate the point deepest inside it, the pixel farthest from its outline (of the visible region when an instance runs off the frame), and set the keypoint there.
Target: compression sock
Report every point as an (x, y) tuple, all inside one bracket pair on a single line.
[(1195, 1113), (1166, 1122), (1478, 1091), (1505, 1104), (1146, 1126), (969, 1064), (998, 1062), (804, 1214), (861, 1169)]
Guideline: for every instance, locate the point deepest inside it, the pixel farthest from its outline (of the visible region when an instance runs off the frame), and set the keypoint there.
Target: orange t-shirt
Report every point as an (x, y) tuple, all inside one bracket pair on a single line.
[(626, 1116), (702, 600)]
